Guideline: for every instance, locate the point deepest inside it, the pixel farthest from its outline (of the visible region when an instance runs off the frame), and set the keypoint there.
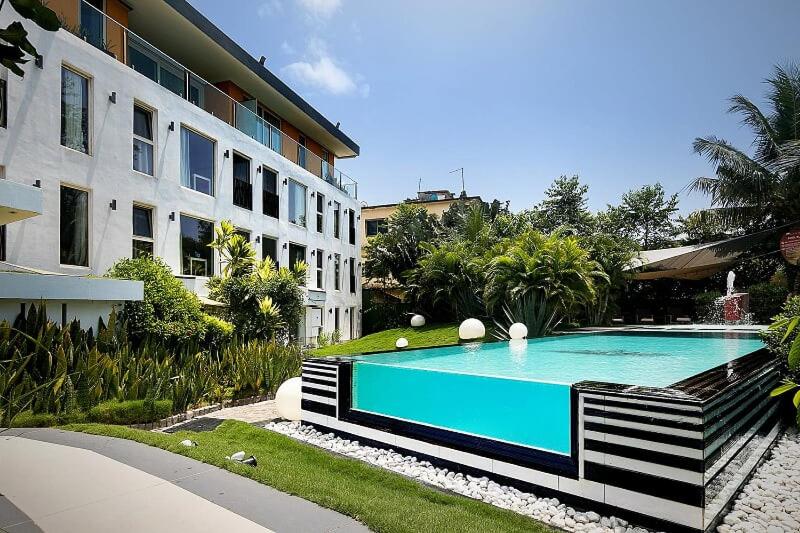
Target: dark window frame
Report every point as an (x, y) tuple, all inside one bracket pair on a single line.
[(188, 269), (270, 199), (143, 241), (67, 257), (242, 186), (143, 138)]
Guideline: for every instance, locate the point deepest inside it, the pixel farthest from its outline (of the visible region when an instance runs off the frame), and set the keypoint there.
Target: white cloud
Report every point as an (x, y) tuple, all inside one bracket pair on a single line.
[(270, 8), (320, 70), (320, 8), (287, 48)]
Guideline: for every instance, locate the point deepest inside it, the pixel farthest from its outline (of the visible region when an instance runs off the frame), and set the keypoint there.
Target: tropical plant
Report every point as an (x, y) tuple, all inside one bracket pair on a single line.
[(758, 191), (168, 310), (783, 338), (766, 299), (614, 254), (16, 47), (392, 254), (447, 281), (540, 279), (237, 255), (265, 302)]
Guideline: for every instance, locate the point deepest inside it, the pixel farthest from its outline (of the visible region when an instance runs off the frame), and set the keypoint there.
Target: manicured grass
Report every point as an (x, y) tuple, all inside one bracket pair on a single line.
[(426, 336), (384, 501)]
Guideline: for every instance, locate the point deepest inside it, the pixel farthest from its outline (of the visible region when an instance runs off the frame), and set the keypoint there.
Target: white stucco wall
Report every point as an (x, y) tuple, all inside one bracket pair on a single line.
[(30, 149)]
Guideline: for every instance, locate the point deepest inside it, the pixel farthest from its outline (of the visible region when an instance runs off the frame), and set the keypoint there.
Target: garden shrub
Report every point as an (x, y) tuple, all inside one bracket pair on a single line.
[(168, 311), (773, 337), (218, 331), (130, 411), (765, 300), (28, 419)]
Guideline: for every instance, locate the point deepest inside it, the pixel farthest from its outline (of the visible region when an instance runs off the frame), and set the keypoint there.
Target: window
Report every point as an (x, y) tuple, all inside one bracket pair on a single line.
[(379, 225), (269, 248), (269, 194), (196, 254), (301, 151), (245, 234), (93, 22), (337, 272), (337, 219), (336, 319), (142, 139), (320, 271), (274, 125), (197, 162), (320, 213), (147, 61), (297, 254), (3, 237), (297, 203), (74, 243), (242, 186), (352, 275), (74, 110), (3, 103), (142, 231), (351, 216), (327, 168)]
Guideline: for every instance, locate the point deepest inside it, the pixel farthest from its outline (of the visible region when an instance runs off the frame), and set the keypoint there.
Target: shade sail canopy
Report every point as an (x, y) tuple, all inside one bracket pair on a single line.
[(696, 261)]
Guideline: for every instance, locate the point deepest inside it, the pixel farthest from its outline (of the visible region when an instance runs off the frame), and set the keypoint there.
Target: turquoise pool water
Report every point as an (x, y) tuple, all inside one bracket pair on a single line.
[(520, 392)]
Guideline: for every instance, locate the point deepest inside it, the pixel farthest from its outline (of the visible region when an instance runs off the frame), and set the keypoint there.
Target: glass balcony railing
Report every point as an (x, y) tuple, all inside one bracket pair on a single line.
[(118, 41)]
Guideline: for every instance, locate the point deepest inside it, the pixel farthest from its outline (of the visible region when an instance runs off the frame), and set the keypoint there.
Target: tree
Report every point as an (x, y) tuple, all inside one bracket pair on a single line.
[(391, 254), (614, 255), (647, 216), (540, 279), (564, 206), (759, 191), (237, 255), (694, 228), (17, 49)]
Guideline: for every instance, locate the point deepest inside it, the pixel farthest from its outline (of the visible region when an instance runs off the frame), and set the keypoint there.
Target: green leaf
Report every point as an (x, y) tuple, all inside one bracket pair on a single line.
[(16, 35), (796, 400), (34, 10), (794, 354), (790, 328), (786, 387)]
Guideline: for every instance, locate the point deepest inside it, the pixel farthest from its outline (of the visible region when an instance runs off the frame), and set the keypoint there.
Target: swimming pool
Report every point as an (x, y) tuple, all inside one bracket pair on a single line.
[(656, 424)]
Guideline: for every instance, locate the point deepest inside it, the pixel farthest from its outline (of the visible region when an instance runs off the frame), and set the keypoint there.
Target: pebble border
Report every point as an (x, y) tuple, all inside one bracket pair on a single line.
[(547, 510)]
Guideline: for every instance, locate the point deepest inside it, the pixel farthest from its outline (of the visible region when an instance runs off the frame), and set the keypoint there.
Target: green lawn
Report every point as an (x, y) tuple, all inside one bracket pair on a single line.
[(434, 335), (382, 500)]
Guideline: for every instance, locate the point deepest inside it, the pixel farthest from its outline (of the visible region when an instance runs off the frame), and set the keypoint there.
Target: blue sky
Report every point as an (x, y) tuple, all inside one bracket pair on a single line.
[(519, 92)]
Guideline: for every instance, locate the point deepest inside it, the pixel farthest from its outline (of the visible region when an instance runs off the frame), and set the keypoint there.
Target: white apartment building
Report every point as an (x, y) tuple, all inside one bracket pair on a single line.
[(144, 126)]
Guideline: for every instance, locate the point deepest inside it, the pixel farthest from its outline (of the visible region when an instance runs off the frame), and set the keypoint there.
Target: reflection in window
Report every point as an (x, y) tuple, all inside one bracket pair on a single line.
[(197, 162), (242, 187), (197, 256), (337, 219), (74, 110), (144, 59), (297, 203), (269, 248), (74, 222), (378, 225), (269, 195), (142, 139), (142, 231), (93, 23), (297, 254)]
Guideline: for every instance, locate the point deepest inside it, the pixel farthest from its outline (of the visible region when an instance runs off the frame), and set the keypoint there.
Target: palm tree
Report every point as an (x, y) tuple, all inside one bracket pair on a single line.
[(759, 191), (540, 279), (236, 253)]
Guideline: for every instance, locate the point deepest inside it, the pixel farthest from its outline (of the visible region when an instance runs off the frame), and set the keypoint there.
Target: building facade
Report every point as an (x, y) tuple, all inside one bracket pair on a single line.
[(136, 151)]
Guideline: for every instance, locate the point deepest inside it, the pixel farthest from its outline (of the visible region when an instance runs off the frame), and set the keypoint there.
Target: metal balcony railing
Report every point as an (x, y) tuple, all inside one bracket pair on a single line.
[(118, 41)]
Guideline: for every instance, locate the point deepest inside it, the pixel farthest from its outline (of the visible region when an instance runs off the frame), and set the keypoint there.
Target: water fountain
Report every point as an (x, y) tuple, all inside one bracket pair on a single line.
[(731, 309)]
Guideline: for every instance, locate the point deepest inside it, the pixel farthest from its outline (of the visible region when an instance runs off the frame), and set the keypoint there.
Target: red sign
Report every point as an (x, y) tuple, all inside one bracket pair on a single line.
[(790, 246)]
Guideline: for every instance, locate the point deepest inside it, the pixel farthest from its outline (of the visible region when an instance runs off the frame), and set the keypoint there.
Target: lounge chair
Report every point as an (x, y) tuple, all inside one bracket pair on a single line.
[(618, 321), (683, 320), (647, 320)]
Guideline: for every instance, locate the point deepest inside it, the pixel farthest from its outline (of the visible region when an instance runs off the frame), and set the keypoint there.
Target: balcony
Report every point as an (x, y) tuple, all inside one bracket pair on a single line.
[(18, 201), (141, 56)]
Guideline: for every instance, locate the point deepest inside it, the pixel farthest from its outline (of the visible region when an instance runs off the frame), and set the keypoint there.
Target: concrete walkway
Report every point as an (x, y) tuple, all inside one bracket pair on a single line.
[(55, 481)]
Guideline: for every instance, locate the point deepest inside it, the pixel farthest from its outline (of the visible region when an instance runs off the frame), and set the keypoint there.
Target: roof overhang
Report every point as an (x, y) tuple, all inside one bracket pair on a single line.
[(18, 201), (182, 32), (22, 285)]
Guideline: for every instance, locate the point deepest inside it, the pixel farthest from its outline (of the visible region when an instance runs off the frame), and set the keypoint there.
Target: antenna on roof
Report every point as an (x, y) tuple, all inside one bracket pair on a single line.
[(419, 185), (262, 60), (337, 125), (463, 189)]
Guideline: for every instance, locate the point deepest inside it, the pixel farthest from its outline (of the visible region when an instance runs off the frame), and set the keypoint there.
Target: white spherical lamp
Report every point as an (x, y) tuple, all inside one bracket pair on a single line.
[(402, 342), (417, 321), (471, 329), (518, 330), (287, 399)]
